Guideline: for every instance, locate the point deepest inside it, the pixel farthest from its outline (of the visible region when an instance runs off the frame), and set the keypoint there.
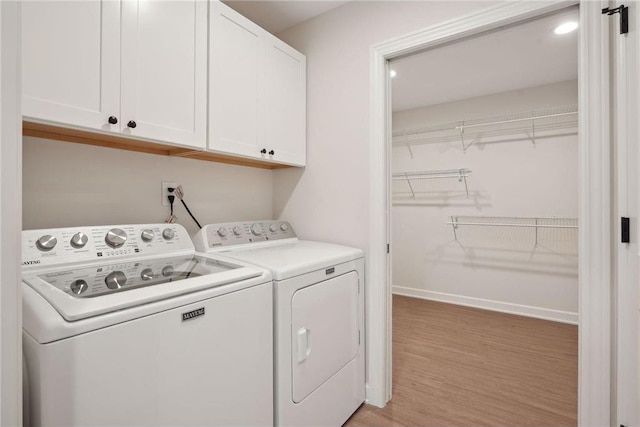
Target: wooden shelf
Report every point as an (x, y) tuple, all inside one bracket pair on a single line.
[(46, 131)]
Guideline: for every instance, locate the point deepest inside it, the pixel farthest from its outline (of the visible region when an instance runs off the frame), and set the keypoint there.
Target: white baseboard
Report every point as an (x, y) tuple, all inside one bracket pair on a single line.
[(503, 307)]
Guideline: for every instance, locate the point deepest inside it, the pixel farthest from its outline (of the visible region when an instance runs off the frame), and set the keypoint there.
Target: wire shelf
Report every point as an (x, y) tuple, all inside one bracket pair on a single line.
[(460, 174), (530, 123), (533, 223)]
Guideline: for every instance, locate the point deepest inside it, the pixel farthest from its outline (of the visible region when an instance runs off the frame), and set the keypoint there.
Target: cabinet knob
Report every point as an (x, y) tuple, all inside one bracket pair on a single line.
[(113, 120), (132, 124), (263, 151), (271, 153)]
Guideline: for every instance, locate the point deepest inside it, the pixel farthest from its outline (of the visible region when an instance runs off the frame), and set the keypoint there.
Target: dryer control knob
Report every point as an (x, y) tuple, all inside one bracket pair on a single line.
[(273, 228), (222, 231), (256, 229), (167, 270), (237, 230), (79, 240), (147, 235), (46, 242), (147, 274), (284, 226), (115, 237), (168, 233), (115, 280)]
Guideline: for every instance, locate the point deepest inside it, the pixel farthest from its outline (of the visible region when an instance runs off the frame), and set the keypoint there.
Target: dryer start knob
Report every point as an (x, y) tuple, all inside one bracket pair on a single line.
[(115, 280), (115, 237)]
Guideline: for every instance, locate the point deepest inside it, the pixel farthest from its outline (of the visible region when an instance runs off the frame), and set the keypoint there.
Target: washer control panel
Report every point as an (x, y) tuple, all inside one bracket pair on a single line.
[(64, 245), (238, 233)]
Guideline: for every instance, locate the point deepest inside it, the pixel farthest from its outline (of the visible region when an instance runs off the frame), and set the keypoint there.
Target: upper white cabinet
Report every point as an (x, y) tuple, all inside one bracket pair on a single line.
[(138, 68), (71, 62), (236, 98), (257, 96), (286, 101), (164, 70)]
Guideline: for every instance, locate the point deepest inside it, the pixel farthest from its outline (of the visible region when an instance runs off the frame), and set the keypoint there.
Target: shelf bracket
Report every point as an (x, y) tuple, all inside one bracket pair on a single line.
[(454, 226), (413, 194), (461, 128), (463, 177), (533, 132)]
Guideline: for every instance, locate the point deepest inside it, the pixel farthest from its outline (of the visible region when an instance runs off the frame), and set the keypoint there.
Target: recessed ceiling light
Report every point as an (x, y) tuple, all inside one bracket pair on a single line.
[(566, 27), (393, 73)]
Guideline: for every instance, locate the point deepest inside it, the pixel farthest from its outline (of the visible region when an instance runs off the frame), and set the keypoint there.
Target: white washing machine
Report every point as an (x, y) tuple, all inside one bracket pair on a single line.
[(129, 326), (318, 316)]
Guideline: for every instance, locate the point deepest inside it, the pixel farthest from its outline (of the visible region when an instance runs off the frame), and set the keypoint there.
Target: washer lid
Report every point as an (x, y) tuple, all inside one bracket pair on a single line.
[(84, 291), (299, 257)]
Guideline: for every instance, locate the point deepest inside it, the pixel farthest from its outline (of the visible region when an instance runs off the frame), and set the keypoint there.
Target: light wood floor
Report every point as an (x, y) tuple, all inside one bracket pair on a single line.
[(460, 366)]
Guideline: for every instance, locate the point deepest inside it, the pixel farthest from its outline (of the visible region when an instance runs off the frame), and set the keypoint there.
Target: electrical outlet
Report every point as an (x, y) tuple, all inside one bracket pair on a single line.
[(164, 193)]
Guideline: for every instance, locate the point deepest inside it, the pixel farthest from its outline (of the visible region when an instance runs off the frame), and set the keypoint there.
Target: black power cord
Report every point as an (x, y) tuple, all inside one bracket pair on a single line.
[(179, 193)]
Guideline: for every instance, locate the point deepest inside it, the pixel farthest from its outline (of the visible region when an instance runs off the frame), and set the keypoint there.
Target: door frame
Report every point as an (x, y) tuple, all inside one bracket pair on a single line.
[(595, 234)]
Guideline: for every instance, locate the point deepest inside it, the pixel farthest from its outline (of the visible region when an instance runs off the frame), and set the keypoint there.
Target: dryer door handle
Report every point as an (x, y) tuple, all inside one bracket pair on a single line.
[(304, 344)]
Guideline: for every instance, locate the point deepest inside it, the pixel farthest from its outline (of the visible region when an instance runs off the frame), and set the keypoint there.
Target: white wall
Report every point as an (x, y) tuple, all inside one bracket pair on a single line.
[(511, 176), (10, 206), (330, 201), (68, 184)]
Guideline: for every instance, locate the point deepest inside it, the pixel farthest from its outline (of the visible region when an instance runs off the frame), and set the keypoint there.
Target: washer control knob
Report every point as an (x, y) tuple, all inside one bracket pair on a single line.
[(273, 228), (78, 286), (222, 231), (115, 237), (46, 242), (79, 240), (237, 230), (115, 280), (167, 270), (168, 233), (256, 229), (147, 235), (147, 274), (284, 226)]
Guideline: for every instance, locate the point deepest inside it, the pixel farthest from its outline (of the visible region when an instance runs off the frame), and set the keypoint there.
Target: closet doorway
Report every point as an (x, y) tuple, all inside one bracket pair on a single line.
[(484, 226), (594, 171)]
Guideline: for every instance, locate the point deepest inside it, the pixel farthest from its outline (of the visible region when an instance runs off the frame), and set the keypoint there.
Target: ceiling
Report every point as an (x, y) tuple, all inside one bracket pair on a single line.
[(517, 57), (277, 16)]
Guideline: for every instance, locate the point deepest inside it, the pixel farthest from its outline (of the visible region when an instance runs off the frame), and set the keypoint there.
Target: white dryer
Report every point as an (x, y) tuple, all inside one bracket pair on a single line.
[(318, 316), (129, 326)]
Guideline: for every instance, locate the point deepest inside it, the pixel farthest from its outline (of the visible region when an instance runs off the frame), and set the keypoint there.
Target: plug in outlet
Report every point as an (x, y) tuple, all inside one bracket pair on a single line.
[(164, 193)]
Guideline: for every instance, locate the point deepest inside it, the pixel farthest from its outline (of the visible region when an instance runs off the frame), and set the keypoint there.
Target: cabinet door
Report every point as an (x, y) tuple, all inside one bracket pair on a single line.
[(164, 70), (71, 62), (286, 101), (236, 78)]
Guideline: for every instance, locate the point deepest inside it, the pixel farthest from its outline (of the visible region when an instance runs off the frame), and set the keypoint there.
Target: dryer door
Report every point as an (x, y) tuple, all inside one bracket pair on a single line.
[(325, 332)]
